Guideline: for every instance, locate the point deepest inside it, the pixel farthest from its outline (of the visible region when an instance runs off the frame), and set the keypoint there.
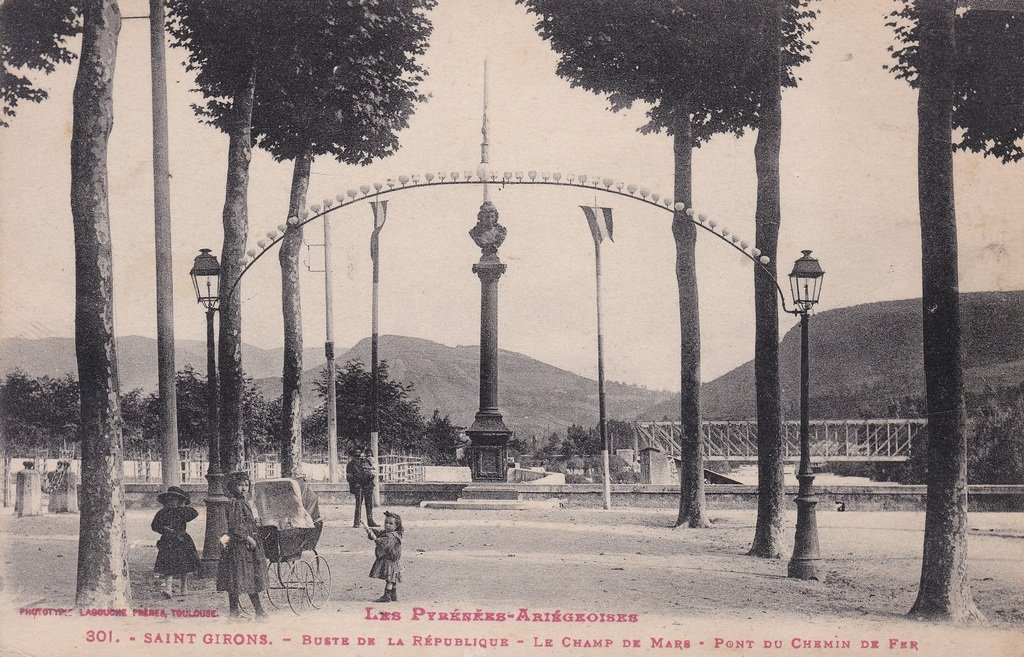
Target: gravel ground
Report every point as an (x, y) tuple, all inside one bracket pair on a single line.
[(576, 560)]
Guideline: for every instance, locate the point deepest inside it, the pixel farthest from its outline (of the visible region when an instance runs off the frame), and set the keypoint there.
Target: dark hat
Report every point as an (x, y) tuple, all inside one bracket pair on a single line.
[(173, 491)]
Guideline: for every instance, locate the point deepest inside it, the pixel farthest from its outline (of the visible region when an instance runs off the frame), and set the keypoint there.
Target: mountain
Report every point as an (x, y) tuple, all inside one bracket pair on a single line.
[(535, 398), (864, 359), (136, 359)]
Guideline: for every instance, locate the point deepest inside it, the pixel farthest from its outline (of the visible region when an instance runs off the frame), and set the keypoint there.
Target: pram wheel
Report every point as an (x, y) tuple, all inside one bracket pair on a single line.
[(278, 574), (321, 582), (300, 588)]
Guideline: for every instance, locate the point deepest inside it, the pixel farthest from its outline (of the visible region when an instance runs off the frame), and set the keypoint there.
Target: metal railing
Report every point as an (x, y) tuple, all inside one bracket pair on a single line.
[(144, 466), (398, 469)]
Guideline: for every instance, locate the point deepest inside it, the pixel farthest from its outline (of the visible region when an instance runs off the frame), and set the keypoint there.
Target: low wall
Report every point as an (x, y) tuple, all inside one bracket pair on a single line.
[(893, 497), (854, 498), (447, 474)]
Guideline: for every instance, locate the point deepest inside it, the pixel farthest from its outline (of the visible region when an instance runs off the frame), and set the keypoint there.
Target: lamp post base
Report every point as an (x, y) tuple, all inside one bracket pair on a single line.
[(216, 526), (806, 560)]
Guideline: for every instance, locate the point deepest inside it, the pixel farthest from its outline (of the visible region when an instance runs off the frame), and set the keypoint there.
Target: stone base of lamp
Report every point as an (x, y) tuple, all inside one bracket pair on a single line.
[(806, 561)]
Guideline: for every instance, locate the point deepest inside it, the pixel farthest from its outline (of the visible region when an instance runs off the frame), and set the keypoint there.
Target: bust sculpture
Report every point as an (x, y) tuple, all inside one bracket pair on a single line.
[(488, 233)]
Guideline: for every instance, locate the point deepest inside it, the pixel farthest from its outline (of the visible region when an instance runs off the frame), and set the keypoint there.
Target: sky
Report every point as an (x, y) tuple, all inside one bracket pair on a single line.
[(848, 182)]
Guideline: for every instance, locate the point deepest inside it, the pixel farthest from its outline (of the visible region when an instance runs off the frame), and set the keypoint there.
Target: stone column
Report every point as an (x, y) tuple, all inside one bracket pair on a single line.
[(488, 452)]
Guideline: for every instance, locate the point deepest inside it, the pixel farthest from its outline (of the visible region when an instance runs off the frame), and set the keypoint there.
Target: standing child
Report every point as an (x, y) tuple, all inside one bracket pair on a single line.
[(176, 553), (389, 555), (243, 565)]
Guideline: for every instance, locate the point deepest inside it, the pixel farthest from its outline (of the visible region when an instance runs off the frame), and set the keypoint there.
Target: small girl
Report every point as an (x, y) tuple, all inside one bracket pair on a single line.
[(243, 565), (176, 553), (389, 554)]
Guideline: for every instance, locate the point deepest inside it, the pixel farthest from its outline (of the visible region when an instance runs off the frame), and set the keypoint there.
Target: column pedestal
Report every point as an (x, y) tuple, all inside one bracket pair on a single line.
[(488, 454)]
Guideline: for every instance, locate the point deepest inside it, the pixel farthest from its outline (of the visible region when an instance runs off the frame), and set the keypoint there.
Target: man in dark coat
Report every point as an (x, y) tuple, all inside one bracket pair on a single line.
[(362, 477)]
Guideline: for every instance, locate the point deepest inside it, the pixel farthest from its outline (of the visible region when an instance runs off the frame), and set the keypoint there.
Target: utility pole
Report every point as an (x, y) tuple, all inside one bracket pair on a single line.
[(170, 461), (332, 392)]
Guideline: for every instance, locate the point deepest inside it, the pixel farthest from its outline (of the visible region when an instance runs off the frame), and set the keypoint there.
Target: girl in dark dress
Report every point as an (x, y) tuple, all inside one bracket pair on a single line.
[(243, 565), (388, 565), (176, 553)]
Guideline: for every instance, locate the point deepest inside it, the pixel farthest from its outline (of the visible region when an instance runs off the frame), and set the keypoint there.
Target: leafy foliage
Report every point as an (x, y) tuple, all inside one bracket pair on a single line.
[(401, 427), (347, 85), (39, 412), (995, 449), (442, 438), (44, 413), (33, 35), (665, 53), (258, 417), (222, 39), (332, 76), (581, 441), (988, 103)]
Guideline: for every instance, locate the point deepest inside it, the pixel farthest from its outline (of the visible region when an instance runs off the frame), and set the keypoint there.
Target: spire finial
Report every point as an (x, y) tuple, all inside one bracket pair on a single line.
[(484, 145)]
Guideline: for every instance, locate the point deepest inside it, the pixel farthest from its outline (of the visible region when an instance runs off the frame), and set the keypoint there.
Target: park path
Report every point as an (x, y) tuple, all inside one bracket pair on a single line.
[(585, 560)]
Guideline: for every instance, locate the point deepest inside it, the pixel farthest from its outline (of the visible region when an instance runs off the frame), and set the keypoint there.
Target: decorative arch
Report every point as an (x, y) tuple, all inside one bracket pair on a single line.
[(416, 181)]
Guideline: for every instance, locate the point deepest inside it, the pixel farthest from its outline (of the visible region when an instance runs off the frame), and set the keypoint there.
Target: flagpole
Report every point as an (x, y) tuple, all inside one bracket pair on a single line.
[(602, 424), (602, 419)]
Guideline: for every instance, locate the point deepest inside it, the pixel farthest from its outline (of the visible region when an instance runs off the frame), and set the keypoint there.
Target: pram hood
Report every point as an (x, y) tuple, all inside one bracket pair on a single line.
[(279, 503)]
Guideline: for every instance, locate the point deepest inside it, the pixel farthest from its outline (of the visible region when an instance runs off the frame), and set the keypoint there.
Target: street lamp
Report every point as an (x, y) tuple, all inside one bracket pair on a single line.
[(805, 284), (206, 281)]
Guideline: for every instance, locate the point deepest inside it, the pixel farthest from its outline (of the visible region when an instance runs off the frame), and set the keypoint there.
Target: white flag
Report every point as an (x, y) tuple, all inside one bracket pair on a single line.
[(380, 215), (599, 229)]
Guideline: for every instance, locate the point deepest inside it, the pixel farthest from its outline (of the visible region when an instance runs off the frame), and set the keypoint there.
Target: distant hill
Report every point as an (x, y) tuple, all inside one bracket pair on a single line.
[(864, 358), (535, 398), (136, 359)]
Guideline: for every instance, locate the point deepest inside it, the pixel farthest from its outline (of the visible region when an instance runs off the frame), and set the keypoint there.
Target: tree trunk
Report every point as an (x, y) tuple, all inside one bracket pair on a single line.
[(236, 227), (102, 545), (944, 590), (291, 308), (691, 470), (771, 491)]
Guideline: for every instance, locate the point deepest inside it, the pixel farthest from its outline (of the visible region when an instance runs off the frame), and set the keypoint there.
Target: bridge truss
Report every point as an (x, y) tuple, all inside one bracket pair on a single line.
[(830, 440)]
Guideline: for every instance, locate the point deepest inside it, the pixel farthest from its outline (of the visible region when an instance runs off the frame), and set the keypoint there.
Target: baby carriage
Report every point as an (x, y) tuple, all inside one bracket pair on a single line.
[(288, 533)]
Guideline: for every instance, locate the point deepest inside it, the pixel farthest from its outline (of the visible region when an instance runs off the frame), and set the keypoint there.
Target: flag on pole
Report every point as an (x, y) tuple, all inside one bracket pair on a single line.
[(380, 215), (598, 228)]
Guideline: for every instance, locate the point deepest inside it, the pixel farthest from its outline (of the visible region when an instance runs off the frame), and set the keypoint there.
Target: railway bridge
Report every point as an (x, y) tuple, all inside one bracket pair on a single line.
[(874, 440)]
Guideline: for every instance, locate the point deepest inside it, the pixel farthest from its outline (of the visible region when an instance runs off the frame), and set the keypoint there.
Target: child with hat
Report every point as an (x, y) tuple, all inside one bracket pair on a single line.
[(176, 552)]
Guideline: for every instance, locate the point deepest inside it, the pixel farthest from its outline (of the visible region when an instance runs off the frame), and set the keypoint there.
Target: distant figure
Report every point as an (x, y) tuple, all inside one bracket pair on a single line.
[(63, 489), (176, 552), (362, 477), (243, 564), (28, 491), (388, 566)]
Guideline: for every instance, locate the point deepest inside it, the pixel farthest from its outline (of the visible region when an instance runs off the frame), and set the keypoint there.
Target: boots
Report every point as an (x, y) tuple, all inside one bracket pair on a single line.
[(386, 597), (394, 594), (233, 609)]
